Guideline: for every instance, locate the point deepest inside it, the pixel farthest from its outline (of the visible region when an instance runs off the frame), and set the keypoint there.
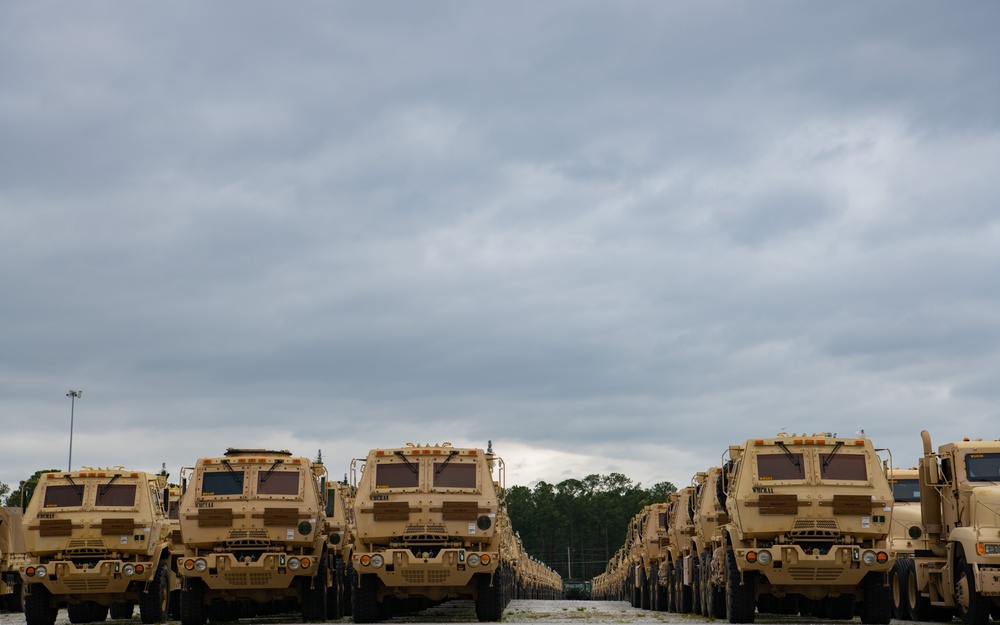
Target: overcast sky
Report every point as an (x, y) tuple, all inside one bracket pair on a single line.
[(605, 236)]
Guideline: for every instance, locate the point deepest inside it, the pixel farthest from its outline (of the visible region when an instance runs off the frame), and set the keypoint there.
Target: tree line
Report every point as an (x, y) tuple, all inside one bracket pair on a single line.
[(574, 526)]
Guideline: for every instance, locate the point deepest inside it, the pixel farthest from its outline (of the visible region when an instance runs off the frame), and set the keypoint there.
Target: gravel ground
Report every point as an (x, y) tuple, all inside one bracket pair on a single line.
[(519, 611)]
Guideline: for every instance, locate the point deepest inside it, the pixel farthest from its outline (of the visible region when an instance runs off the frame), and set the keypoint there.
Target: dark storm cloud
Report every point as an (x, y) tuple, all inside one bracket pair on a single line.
[(592, 233)]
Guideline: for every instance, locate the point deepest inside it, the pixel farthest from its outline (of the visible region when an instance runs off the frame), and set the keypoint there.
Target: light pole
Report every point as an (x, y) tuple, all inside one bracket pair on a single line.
[(72, 406)]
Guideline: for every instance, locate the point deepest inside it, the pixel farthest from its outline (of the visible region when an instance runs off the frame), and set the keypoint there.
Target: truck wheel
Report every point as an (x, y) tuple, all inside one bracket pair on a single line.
[(38, 609), (695, 586), (335, 594), (897, 584), (153, 603), (643, 590), (683, 592), (706, 595), (193, 610), (15, 601), (122, 610), (740, 599), (313, 593), (841, 607), (98, 613), (877, 604), (654, 591), (350, 585), (366, 599), (489, 598), (973, 607), (669, 587), (80, 612)]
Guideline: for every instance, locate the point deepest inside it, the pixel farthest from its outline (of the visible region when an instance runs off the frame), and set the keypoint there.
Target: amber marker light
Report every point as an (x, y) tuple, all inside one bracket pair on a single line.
[(751, 556)]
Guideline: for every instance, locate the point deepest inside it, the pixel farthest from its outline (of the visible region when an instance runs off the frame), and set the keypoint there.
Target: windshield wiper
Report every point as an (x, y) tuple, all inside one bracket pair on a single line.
[(267, 475), (833, 453), (445, 463), (789, 454), (102, 490), (409, 464), (237, 477), (78, 488)]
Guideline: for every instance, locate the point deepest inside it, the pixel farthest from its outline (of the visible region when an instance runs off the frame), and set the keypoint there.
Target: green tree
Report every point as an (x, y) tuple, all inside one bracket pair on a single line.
[(27, 487), (4, 489)]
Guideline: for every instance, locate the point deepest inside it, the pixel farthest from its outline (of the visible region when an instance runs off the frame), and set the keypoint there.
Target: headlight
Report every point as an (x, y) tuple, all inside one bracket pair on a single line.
[(128, 570), (987, 549), (869, 557), (472, 560), (377, 560), (200, 565), (293, 564), (764, 557), (41, 571)]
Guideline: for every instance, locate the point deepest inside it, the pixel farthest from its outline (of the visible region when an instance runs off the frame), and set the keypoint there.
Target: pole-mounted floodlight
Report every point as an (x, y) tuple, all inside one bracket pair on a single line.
[(72, 406)]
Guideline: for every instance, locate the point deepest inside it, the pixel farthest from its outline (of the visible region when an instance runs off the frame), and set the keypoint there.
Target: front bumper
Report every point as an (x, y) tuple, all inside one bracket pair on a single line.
[(64, 577), (223, 571), (791, 565), (450, 567)]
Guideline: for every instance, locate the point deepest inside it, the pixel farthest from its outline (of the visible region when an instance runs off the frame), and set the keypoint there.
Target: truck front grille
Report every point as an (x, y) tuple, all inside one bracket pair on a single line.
[(86, 585), (812, 574), (245, 580), (814, 529)]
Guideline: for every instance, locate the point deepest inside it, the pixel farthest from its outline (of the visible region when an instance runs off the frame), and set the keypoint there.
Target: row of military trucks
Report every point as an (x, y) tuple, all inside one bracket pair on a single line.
[(821, 526), (257, 532)]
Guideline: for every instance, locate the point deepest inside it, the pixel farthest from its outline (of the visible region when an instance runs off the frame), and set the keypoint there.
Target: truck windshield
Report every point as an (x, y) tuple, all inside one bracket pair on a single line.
[(983, 467), (454, 475), (843, 466), (906, 490), (780, 467), (63, 496), (121, 495), (215, 483), (278, 483), (396, 475)]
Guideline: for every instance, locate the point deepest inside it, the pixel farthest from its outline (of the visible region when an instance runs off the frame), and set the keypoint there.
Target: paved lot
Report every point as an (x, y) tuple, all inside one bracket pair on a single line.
[(521, 611)]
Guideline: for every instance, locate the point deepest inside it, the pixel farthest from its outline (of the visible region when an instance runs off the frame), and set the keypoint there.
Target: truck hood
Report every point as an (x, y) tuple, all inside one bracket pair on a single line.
[(986, 506)]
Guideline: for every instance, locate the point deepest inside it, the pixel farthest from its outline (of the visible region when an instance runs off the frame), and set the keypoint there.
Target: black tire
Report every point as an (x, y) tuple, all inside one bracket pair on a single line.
[(740, 600), (897, 586), (193, 608), (38, 609), (98, 613), (659, 598), (122, 610), (313, 593), (489, 598), (335, 594), (695, 586), (350, 587), (155, 601), (15, 601), (840, 608), (643, 589), (366, 607), (973, 607), (683, 592), (668, 568), (79, 612), (876, 607)]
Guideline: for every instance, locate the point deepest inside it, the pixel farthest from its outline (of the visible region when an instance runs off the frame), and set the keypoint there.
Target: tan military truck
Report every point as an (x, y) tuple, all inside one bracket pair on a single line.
[(959, 570), (426, 518), (906, 535), (809, 516), (708, 518), (254, 530), (95, 538), (340, 531), (681, 568), (648, 550), (12, 558)]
